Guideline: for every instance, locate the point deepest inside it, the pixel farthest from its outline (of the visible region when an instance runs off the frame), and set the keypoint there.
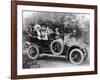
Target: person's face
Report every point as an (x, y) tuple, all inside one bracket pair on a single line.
[(57, 30), (38, 28), (43, 30)]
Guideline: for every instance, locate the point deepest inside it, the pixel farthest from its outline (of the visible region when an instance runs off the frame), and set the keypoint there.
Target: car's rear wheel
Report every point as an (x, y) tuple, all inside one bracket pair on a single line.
[(33, 52), (76, 56), (57, 47)]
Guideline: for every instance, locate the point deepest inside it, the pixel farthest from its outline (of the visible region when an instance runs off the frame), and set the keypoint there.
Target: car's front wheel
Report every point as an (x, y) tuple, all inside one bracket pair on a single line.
[(33, 52), (76, 56)]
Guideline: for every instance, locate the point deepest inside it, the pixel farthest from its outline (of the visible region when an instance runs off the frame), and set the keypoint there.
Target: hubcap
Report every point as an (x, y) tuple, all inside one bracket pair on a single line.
[(33, 52), (56, 47), (76, 56)]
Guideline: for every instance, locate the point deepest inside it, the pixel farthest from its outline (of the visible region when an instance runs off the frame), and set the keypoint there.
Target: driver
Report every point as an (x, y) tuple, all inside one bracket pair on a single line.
[(57, 33)]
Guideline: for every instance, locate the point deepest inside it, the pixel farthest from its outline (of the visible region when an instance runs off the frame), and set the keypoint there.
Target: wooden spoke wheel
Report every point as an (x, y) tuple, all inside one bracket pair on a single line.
[(76, 56), (57, 47), (33, 52)]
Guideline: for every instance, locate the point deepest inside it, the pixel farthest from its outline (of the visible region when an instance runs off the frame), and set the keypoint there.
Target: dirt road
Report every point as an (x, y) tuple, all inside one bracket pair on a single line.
[(49, 61)]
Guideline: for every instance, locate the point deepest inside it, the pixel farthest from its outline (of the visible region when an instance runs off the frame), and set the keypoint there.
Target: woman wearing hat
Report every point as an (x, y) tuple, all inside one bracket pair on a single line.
[(37, 29), (44, 33)]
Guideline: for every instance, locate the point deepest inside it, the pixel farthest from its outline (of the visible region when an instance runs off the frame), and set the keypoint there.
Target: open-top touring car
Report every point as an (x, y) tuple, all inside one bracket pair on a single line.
[(56, 46)]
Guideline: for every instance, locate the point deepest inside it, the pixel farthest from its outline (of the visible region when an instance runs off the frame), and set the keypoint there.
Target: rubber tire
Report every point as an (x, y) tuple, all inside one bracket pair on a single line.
[(61, 43), (81, 53), (37, 49)]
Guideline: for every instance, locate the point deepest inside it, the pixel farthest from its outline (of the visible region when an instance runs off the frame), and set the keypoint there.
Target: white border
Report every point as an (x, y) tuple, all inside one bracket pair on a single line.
[(21, 71)]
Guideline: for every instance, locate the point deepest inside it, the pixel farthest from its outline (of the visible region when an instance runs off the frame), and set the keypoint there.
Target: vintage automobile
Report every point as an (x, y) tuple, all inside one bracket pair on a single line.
[(56, 46)]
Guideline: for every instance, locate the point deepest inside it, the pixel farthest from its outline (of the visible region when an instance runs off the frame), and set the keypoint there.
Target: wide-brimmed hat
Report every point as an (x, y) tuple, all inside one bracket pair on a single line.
[(37, 27)]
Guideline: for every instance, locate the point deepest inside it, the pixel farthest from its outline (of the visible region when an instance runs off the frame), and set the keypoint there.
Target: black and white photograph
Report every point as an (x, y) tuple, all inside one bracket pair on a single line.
[(51, 40), (55, 39)]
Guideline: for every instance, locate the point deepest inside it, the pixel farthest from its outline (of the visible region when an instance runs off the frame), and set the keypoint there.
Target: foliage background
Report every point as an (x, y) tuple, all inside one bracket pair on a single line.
[(74, 25)]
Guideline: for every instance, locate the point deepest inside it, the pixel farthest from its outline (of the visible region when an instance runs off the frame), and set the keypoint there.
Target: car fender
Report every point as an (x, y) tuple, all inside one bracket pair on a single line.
[(84, 50)]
